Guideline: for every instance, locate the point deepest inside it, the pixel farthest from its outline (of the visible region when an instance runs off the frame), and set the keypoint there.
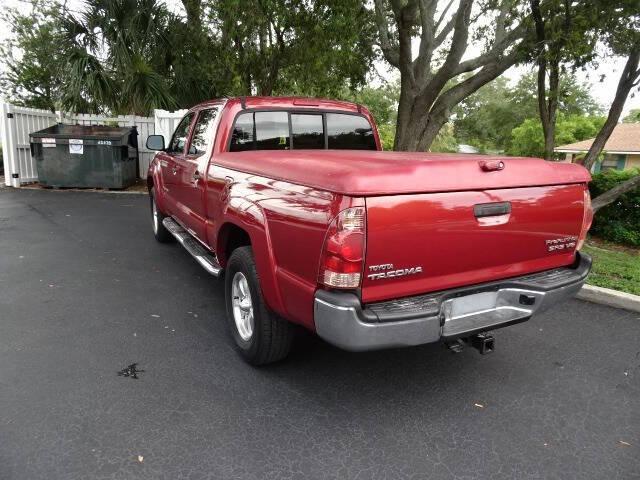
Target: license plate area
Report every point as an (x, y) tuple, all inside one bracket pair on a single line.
[(486, 310), (470, 304)]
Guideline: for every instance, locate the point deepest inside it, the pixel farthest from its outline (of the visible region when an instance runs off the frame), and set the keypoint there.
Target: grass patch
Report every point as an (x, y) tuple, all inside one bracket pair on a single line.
[(614, 267)]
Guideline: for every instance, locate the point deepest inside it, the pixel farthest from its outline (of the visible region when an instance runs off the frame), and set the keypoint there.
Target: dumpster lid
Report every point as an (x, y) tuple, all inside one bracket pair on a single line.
[(89, 132)]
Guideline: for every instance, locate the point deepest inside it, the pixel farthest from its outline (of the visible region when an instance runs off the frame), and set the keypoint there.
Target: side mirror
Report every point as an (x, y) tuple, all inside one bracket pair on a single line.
[(155, 142)]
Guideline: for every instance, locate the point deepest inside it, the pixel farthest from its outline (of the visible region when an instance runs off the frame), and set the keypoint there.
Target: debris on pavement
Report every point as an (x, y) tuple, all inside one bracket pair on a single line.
[(131, 371)]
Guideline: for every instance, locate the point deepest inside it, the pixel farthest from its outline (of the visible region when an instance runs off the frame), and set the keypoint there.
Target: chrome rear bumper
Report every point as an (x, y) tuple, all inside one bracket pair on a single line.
[(342, 320)]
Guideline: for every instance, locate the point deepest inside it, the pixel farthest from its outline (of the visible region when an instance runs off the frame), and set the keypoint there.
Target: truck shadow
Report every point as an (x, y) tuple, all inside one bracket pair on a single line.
[(363, 381)]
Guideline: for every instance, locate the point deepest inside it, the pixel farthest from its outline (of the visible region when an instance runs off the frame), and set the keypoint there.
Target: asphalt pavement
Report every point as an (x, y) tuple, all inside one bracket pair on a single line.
[(86, 293)]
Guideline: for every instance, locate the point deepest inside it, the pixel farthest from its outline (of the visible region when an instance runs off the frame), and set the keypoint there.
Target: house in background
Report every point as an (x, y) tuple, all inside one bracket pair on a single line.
[(621, 152)]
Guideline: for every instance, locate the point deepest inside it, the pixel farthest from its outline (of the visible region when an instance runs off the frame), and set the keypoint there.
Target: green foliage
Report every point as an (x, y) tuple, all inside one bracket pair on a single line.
[(115, 62), (614, 268), (527, 139), (387, 132), (131, 56), (33, 58), (620, 221), (382, 101), (633, 116), (487, 118), (445, 141)]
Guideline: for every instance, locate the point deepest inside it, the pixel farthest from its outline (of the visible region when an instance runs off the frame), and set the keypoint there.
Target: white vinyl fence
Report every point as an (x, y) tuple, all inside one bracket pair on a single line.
[(18, 122), (16, 125), (166, 122)]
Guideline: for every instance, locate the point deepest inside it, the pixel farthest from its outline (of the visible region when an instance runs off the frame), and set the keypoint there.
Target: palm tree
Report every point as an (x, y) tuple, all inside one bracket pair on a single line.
[(115, 59)]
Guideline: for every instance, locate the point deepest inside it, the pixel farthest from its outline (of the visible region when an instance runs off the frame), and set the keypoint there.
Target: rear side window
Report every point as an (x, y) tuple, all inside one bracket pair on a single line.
[(242, 137), (272, 130), (307, 131), (349, 132), (181, 134), (203, 132)]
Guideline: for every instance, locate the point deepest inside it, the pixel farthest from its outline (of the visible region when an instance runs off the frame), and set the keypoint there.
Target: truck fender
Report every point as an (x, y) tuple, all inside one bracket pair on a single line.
[(154, 180), (251, 218)]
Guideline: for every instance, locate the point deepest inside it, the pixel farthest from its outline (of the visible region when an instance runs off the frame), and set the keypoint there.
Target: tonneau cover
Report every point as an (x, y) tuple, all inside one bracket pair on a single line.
[(370, 173)]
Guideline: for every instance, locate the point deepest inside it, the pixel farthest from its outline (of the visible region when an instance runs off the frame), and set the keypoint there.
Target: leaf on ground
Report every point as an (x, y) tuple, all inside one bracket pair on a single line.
[(479, 405)]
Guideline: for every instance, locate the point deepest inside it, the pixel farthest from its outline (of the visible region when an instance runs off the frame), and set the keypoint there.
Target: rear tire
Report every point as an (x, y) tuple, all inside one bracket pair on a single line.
[(259, 335), (159, 231)]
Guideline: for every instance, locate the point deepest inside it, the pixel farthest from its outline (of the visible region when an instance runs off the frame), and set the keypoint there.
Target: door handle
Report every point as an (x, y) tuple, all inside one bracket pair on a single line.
[(481, 210)]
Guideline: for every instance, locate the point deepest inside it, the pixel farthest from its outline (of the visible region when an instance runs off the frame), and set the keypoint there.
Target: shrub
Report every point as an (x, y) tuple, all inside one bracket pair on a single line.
[(620, 221)]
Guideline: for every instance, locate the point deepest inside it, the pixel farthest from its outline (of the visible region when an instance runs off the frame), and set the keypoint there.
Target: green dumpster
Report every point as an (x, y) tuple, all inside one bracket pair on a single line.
[(86, 156)]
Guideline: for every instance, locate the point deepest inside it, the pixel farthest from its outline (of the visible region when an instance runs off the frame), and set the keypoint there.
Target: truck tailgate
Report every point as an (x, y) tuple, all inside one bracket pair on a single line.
[(419, 243)]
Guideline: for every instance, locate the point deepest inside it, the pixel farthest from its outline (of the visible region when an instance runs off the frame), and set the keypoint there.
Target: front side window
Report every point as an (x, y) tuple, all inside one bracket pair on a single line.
[(179, 139), (203, 131), (272, 130), (307, 130), (349, 132)]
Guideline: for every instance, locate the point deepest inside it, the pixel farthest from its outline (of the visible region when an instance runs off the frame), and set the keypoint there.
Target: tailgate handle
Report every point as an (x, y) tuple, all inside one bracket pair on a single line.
[(491, 209), (491, 165)]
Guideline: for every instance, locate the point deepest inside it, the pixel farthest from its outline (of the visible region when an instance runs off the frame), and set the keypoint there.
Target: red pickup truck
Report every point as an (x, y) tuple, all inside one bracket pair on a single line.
[(311, 224)]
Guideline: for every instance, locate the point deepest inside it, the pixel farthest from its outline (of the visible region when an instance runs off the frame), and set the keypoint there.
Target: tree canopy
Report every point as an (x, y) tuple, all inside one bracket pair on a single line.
[(528, 138), (487, 118), (633, 116), (131, 56)]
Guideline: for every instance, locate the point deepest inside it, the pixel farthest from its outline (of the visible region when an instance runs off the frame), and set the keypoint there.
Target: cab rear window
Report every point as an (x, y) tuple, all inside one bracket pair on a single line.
[(349, 132), (282, 130)]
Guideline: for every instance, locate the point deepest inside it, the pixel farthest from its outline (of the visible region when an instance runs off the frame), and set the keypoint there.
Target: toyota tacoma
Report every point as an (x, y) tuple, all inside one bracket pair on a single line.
[(293, 202)]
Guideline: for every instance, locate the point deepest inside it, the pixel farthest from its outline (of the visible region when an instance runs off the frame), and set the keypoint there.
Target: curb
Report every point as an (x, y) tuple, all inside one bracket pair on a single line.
[(611, 298)]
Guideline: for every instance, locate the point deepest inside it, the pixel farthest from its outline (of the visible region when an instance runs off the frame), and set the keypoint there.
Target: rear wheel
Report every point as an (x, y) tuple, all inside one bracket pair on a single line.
[(259, 334), (159, 231)]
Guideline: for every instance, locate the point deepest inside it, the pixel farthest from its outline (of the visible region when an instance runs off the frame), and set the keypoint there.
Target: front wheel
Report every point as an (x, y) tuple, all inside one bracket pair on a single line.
[(159, 230), (259, 334)]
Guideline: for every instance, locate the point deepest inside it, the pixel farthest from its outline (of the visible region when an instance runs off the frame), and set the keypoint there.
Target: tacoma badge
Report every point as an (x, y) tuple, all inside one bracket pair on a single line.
[(387, 270)]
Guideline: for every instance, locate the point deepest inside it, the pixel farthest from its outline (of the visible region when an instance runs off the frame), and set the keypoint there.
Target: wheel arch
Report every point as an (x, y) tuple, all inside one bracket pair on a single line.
[(251, 229)]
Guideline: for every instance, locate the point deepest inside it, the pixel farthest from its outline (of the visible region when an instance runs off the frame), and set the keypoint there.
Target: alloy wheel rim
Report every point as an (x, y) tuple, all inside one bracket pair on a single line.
[(242, 306)]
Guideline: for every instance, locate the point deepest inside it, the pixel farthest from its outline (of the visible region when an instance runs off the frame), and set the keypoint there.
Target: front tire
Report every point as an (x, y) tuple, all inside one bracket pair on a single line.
[(259, 335), (159, 231)]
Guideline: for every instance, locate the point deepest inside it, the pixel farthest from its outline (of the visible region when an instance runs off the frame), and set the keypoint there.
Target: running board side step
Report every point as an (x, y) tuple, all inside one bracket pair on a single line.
[(205, 258)]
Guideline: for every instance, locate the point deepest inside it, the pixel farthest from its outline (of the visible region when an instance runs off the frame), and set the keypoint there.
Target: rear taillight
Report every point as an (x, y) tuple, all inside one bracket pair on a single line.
[(342, 257), (587, 218)]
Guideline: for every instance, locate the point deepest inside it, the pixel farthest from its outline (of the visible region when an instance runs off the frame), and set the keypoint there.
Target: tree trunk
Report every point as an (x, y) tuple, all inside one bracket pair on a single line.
[(426, 94), (611, 196), (548, 104), (549, 55), (627, 81), (194, 13), (404, 120)]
